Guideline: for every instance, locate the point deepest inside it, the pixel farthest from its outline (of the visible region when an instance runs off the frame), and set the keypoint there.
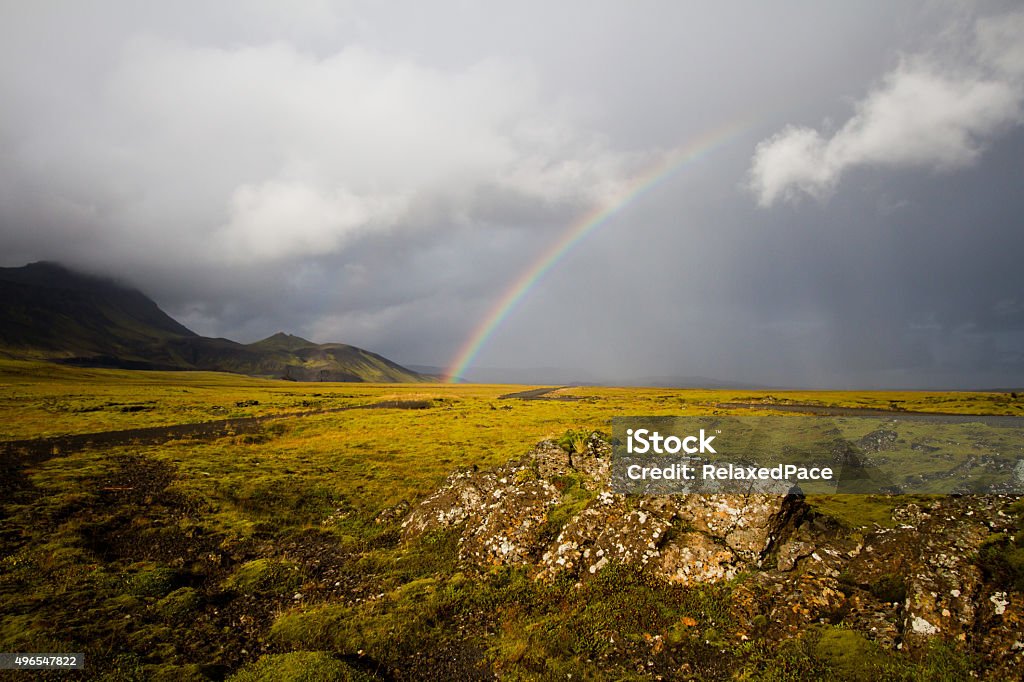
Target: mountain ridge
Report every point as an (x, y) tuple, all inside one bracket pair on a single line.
[(75, 318)]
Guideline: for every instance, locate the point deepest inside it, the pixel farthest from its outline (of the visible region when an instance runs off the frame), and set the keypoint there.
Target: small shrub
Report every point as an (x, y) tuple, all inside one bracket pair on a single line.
[(575, 440)]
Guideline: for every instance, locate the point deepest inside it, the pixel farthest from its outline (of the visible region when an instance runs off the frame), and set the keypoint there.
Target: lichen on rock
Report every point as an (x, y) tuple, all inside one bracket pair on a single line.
[(507, 517), (553, 512)]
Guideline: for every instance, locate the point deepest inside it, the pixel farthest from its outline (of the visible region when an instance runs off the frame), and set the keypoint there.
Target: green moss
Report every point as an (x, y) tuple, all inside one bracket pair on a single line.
[(325, 625), (151, 582), (299, 666), (265, 575), (174, 673), (526, 474), (280, 497), (575, 498), (179, 604), (436, 552), (942, 662), (791, 660), (548, 630), (1002, 560), (1002, 557), (848, 655), (861, 511), (402, 621)]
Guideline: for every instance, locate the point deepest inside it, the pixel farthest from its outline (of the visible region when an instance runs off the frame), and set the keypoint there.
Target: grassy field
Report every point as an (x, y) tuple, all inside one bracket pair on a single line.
[(249, 555)]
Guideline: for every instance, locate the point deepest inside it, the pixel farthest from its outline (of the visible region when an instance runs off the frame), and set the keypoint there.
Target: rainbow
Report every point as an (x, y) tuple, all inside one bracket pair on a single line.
[(682, 157)]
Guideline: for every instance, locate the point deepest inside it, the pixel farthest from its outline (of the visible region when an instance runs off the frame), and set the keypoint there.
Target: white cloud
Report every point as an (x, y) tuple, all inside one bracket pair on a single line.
[(284, 219), (927, 112), (301, 154)]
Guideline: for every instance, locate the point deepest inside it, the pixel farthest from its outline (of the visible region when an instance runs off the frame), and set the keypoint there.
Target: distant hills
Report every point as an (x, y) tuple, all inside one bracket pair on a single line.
[(51, 311)]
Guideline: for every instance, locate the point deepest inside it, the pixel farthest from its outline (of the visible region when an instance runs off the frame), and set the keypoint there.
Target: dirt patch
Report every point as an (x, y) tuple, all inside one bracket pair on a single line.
[(539, 394), (15, 488), (35, 450), (455, 659), (401, 405), (139, 519)]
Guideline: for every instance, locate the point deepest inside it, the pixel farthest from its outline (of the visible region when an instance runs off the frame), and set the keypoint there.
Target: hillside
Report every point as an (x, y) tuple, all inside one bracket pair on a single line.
[(48, 307), (50, 311)]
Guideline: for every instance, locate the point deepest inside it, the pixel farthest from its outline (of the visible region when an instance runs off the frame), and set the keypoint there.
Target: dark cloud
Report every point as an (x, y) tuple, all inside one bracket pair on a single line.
[(379, 174)]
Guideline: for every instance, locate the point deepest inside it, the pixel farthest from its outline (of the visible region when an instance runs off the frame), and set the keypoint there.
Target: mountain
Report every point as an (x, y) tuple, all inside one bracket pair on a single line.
[(48, 310), (281, 341), (48, 307)]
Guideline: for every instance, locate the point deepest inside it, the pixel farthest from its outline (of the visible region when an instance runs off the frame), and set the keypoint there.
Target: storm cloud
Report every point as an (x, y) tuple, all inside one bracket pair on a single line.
[(380, 173)]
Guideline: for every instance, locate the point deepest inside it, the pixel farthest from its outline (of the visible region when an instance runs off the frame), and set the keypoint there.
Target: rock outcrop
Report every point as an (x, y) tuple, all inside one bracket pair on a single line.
[(554, 512)]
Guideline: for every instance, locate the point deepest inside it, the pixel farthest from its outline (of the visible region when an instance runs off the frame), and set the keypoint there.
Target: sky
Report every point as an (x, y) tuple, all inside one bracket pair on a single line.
[(380, 173)]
